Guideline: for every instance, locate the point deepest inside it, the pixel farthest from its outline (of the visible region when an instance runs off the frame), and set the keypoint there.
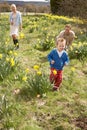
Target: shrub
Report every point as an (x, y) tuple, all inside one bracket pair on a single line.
[(8, 59), (79, 52), (4, 7), (37, 83), (69, 7), (6, 110), (45, 44)]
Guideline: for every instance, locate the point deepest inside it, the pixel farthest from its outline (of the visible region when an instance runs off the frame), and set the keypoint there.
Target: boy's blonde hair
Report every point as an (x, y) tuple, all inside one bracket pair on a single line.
[(62, 40)]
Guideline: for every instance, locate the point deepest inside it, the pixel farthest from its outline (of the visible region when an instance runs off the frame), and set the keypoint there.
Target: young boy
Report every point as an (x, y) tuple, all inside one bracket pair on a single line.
[(58, 58)]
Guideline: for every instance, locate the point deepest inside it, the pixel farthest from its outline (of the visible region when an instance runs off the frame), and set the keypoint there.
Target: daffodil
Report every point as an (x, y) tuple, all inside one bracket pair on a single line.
[(27, 70), (85, 43), (38, 40), (0, 56), (76, 51), (54, 72), (36, 67), (6, 43), (81, 32), (80, 44), (15, 53), (74, 44), (71, 48), (73, 69), (12, 62), (7, 59), (24, 78), (39, 72), (8, 40), (21, 35), (10, 52)]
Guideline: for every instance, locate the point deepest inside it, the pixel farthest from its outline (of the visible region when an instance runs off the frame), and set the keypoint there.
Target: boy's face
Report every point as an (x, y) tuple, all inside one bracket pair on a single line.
[(61, 46)]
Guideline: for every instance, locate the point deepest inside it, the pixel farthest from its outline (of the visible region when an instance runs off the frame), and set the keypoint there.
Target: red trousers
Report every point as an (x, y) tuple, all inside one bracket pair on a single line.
[(56, 77)]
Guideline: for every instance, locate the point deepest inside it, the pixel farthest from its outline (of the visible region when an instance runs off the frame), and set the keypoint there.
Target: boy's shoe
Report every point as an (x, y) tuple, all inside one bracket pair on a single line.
[(55, 88)]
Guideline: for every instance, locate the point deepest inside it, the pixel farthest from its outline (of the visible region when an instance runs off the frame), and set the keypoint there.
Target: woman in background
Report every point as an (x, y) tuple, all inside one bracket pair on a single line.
[(15, 24)]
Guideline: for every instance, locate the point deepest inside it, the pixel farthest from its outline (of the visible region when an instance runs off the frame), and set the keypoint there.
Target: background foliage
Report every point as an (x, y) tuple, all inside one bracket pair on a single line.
[(69, 7)]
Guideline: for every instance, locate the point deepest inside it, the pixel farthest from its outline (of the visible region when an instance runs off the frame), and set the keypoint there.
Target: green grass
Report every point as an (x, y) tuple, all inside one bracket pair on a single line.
[(63, 110)]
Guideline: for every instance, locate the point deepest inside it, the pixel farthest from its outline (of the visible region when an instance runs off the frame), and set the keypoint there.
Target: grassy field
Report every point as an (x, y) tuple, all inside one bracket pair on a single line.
[(26, 99)]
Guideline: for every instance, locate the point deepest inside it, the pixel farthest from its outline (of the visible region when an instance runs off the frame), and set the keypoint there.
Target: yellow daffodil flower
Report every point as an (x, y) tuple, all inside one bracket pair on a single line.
[(0, 56), (7, 59), (36, 67), (24, 78), (12, 62), (27, 70), (10, 52), (15, 53), (39, 72), (21, 35), (54, 72), (73, 69)]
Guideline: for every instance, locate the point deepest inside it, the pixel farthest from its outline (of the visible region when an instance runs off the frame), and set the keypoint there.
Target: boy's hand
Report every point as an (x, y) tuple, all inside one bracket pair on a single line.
[(52, 62), (66, 63)]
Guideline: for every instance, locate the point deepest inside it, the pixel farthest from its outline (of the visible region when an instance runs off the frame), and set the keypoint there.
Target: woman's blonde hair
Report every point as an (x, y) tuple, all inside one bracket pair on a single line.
[(13, 5)]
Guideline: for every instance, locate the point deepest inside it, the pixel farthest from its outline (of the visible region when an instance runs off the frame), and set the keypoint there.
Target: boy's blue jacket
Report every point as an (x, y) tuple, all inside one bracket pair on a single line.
[(59, 61)]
